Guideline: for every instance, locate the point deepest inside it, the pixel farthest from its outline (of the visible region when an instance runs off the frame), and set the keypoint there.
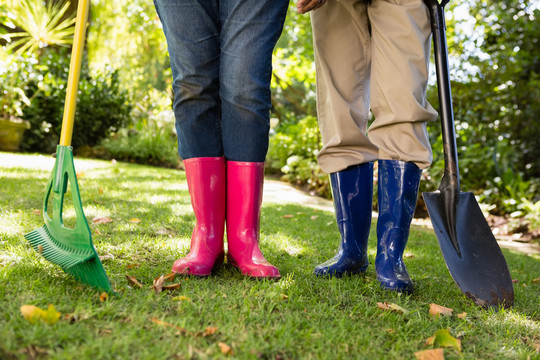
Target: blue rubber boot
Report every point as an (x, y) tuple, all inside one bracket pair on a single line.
[(352, 190), (397, 193)]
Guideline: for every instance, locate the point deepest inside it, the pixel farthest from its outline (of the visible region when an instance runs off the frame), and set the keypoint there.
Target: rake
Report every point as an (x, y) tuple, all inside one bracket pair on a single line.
[(70, 248)]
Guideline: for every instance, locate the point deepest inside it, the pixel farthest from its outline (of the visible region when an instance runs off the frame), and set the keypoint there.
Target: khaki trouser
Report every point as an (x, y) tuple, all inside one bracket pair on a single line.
[(372, 56)]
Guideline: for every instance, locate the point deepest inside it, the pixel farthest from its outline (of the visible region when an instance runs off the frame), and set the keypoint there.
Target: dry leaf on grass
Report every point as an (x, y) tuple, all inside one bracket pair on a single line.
[(133, 281), (436, 310), (225, 349), (171, 287), (287, 216), (392, 307), (210, 330), (170, 276), (33, 313), (103, 297), (135, 220), (40, 249), (462, 315), (536, 281), (159, 283), (181, 331), (101, 220), (106, 257), (431, 354)]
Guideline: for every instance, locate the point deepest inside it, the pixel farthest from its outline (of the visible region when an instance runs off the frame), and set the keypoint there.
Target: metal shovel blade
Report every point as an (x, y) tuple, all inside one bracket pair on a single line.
[(478, 267)]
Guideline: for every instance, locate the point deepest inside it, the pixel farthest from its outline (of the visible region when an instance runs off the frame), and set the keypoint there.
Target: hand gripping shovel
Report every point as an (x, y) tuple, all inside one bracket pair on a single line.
[(71, 248), (470, 250)]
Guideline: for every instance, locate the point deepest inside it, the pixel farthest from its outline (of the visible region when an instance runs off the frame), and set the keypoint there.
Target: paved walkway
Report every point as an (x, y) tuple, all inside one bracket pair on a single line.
[(274, 192), (280, 192)]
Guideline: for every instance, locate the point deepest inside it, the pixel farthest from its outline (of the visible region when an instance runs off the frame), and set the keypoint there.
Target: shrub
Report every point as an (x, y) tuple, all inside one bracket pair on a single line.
[(151, 138), (293, 149), (102, 108)]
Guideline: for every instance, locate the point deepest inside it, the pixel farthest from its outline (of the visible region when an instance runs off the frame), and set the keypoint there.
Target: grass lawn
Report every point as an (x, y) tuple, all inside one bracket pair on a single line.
[(227, 315)]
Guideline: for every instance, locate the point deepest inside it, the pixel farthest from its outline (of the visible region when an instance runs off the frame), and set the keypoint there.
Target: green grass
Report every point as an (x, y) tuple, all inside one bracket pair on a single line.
[(297, 317)]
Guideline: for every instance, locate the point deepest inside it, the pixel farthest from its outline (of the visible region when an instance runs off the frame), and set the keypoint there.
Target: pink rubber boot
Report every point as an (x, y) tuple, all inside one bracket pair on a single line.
[(244, 199), (206, 178)]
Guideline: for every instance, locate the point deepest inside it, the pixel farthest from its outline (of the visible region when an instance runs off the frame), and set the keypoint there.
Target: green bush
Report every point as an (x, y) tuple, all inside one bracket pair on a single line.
[(293, 149), (150, 138), (102, 108)]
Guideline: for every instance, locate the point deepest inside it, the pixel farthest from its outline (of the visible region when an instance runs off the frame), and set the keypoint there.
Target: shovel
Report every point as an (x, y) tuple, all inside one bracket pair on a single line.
[(470, 250), (71, 248)]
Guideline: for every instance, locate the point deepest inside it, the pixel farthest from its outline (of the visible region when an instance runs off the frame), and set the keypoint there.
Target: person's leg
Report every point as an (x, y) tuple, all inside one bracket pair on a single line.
[(193, 35), (192, 30), (206, 179), (352, 190), (342, 46), (244, 199), (250, 31), (401, 46), (397, 194)]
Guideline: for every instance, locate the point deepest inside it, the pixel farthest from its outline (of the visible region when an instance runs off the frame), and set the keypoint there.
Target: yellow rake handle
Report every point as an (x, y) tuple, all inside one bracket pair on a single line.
[(74, 72)]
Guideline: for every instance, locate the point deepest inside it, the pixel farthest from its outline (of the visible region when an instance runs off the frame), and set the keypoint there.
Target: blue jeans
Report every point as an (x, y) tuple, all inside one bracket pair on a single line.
[(221, 60)]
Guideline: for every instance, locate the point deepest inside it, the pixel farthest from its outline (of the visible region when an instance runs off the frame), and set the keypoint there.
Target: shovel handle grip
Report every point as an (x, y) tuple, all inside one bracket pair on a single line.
[(450, 180), (74, 72)]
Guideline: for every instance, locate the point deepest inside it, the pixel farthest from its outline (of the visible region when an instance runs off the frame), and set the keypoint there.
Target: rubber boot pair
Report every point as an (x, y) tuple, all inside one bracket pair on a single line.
[(352, 189), (225, 192)]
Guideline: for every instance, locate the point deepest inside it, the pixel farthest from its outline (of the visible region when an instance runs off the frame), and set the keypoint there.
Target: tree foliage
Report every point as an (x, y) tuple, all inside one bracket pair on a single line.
[(495, 61)]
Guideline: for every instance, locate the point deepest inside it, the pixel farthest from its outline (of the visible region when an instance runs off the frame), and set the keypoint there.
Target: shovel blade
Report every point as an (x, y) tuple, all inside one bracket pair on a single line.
[(479, 268)]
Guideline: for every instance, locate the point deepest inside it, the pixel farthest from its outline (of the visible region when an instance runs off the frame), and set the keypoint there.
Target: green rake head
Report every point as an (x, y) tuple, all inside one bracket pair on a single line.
[(70, 248)]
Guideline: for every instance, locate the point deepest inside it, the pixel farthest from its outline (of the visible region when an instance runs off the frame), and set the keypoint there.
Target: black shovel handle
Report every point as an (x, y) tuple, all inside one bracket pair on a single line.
[(450, 180)]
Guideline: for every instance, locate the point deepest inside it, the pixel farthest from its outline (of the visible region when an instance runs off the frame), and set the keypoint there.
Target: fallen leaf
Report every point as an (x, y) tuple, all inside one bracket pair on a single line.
[(171, 287), (314, 217), (430, 354), (210, 330), (536, 281), (135, 220), (79, 175), (33, 313), (443, 338), (40, 249), (37, 212), (34, 352), (101, 220), (106, 257), (170, 276), (225, 349), (287, 216), (158, 284), (392, 307), (51, 315), (133, 281), (103, 297), (462, 315), (131, 266), (98, 232), (163, 323), (515, 281), (436, 310)]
